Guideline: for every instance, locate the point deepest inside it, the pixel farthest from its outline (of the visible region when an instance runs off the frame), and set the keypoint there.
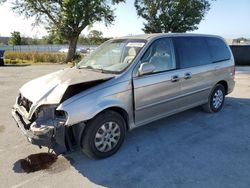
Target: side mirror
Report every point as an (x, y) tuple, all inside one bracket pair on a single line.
[(146, 68)]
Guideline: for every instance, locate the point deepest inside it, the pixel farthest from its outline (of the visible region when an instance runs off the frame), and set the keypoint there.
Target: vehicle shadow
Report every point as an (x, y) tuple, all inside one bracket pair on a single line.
[(190, 149)]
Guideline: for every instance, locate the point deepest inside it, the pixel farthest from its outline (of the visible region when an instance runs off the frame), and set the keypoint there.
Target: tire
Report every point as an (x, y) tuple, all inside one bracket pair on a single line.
[(215, 100), (103, 135)]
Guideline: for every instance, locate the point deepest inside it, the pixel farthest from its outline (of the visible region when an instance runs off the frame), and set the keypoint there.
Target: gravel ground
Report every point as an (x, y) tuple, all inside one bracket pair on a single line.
[(190, 149)]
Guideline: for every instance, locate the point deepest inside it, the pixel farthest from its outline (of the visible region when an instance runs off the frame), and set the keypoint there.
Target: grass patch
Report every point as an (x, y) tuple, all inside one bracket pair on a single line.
[(33, 57), (17, 61)]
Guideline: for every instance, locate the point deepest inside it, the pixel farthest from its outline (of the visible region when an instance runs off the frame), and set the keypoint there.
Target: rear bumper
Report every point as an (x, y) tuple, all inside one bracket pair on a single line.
[(53, 138), (231, 85)]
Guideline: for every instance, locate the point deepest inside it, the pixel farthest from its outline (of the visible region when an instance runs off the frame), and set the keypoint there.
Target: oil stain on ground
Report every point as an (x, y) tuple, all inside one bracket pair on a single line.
[(35, 162), (43, 161)]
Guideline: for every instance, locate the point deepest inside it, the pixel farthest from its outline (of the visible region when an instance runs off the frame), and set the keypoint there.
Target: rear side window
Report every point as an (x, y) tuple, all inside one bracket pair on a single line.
[(192, 51), (218, 49)]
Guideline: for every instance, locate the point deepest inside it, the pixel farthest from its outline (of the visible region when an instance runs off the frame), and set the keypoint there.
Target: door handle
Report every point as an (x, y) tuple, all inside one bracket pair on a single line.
[(187, 76), (175, 78)]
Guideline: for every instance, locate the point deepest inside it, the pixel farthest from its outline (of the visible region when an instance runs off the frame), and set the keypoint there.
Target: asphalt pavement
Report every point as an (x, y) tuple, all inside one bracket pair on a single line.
[(190, 149)]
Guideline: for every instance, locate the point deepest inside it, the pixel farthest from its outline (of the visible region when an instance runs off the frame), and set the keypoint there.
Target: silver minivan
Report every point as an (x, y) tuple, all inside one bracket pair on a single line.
[(125, 83)]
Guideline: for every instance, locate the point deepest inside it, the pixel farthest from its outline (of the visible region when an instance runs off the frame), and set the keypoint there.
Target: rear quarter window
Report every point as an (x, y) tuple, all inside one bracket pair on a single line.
[(218, 49), (192, 51)]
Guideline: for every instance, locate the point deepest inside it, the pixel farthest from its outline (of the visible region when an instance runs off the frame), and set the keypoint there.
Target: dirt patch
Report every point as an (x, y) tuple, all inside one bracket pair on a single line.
[(1, 128), (35, 162)]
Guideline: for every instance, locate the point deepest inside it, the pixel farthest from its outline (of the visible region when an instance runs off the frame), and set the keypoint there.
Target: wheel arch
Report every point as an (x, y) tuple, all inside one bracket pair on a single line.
[(120, 111), (225, 85)]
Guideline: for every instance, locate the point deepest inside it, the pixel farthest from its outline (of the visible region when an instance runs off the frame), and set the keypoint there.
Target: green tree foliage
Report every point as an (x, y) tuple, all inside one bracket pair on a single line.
[(95, 37), (54, 38), (95, 34), (90, 40), (83, 40), (15, 38), (67, 18), (164, 16)]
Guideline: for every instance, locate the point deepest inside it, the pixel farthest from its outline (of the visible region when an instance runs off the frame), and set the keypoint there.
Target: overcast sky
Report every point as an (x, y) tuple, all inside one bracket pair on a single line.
[(228, 18)]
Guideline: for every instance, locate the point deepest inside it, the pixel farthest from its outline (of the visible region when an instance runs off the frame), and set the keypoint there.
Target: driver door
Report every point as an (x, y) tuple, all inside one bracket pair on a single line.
[(157, 94)]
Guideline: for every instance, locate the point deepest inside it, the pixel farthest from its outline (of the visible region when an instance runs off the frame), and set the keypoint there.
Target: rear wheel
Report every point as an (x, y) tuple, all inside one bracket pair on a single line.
[(216, 99), (104, 135)]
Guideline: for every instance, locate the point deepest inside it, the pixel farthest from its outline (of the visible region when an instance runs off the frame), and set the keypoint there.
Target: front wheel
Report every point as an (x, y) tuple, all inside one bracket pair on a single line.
[(215, 100), (103, 135)]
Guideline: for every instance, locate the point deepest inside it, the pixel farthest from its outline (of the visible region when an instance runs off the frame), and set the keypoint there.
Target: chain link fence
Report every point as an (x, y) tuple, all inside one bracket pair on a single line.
[(42, 48)]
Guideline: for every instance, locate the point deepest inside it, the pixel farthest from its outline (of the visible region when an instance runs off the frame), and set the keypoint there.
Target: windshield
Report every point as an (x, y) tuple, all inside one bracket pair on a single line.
[(113, 56)]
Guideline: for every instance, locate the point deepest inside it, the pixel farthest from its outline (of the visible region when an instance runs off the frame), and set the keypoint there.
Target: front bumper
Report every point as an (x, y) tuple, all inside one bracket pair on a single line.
[(53, 137)]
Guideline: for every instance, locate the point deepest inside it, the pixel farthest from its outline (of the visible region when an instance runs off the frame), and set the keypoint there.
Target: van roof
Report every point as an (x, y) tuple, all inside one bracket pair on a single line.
[(150, 36)]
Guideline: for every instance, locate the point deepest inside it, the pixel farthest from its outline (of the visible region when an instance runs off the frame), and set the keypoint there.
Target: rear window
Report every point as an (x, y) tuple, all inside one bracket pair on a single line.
[(192, 51), (218, 49)]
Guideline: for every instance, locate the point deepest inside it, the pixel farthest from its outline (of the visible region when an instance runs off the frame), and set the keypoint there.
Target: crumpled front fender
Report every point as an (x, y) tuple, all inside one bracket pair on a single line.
[(87, 107)]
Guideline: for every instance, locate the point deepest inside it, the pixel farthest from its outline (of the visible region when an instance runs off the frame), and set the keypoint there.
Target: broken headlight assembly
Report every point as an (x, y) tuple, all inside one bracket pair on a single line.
[(48, 112), (46, 119)]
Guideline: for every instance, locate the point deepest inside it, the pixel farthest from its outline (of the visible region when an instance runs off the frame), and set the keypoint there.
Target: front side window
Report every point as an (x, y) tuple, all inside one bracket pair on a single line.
[(160, 54), (113, 56)]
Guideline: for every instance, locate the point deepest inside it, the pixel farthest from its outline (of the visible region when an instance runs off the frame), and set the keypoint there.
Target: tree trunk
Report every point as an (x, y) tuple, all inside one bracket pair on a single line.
[(72, 49)]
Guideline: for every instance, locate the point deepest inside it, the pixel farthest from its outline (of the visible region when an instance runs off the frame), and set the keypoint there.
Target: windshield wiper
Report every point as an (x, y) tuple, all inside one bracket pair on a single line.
[(109, 71), (90, 67), (97, 69), (85, 67)]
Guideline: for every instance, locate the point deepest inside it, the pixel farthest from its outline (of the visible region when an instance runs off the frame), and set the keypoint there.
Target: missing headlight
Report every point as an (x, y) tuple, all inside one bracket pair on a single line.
[(35, 115), (49, 113), (43, 113), (60, 114)]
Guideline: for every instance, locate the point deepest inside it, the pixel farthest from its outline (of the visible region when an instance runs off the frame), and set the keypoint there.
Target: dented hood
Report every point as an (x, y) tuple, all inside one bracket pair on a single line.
[(50, 88)]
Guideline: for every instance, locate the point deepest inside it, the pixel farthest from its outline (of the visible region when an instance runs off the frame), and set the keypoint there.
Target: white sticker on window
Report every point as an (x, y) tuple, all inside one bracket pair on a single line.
[(135, 44)]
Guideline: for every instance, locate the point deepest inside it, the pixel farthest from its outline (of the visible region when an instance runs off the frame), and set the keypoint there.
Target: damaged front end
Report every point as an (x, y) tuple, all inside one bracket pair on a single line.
[(36, 108), (44, 127)]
